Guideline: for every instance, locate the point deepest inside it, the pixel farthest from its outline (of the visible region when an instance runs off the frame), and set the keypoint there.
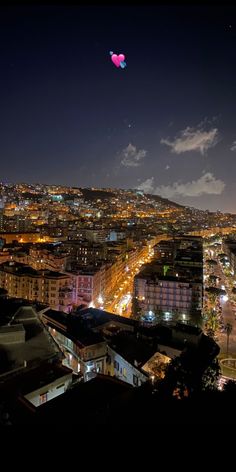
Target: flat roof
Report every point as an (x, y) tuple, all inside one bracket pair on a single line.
[(154, 270), (42, 375), (9, 306), (132, 348), (100, 317), (72, 327), (187, 328), (11, 328), (18, 268), (85, 402), (38, 345)]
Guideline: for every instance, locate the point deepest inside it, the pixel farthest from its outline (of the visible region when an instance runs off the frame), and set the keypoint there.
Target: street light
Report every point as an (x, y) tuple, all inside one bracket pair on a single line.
[(100, 301)]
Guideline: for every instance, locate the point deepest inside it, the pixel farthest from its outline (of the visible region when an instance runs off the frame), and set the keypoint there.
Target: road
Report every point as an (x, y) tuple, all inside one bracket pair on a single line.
[(120, 301), (228, 317), (227, 314)]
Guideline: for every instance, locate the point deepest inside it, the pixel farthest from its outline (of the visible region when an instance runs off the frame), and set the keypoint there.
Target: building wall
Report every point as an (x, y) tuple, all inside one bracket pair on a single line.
[(165, 250), (88, 287), (91, 359), (25, 237), (56, 291), (168, 295), (12, 334), (50, 391), (44, 259), (117, 366)]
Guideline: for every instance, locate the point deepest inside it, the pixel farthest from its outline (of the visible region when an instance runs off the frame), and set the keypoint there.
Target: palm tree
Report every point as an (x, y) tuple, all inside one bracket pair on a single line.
[(228, 329)]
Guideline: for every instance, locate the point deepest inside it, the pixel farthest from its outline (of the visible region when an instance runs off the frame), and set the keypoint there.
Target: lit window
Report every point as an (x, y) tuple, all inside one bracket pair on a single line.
[(43, 397)]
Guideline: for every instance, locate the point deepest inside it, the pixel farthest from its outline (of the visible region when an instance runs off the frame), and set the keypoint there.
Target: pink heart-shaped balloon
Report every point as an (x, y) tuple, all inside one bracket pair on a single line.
[(117, 59)]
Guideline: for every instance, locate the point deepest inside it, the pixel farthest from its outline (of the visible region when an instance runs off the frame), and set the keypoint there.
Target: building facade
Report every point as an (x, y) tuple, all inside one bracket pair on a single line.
[(51, 288)]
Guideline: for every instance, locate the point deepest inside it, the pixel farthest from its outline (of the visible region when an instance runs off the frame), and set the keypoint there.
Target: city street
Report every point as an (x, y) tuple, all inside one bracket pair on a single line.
[(121, 302), (228, 313)]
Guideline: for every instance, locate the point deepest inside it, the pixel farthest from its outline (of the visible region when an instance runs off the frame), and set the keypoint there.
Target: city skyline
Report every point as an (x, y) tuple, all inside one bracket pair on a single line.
[(164, 124)]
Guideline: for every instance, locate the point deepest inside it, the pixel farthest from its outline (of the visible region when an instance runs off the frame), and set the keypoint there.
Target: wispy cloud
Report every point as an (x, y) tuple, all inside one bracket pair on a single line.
[(193, 139), (167, 167), (206, 184), (132, 157), (233, 146), (147, 185)]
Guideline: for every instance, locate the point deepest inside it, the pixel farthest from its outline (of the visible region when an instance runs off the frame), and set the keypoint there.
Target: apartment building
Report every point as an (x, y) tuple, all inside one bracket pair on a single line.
[(165, 250), (52, 288), (161, 288), (40, 258), (88, 349), (166, 294)]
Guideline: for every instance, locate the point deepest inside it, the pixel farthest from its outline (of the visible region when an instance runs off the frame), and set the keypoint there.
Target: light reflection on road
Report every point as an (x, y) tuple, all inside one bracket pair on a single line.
[(120, 302)]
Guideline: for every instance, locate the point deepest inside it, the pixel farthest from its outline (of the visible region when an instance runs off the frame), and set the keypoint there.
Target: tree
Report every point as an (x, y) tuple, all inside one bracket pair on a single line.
[(228, 329), (222, 255), (136, 308), (211, 262), (212, 321), (230, 389), (213, 293), (176, 380), (213, 279), (211, 376)]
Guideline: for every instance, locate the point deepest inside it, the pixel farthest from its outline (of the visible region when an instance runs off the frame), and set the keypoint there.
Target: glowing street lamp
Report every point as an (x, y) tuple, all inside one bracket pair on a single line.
[(100, 301)]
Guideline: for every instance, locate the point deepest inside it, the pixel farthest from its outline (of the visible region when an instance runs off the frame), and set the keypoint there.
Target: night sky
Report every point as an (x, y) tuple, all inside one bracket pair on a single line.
[(166, 123)]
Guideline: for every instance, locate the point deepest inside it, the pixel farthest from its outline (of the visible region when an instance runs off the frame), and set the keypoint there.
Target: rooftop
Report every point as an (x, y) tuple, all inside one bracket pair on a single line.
[(155, 270), (72, 327), (42, 375), (135, 350), (9, 306), (38, 345), (22, 269), (156, 365), (187, 328), (96, 317), (19, 268), (53, 274), (84, 403), (192, 256)]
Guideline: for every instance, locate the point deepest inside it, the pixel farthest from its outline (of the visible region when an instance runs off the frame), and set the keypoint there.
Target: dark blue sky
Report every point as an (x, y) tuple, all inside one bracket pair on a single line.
[(167, 122)]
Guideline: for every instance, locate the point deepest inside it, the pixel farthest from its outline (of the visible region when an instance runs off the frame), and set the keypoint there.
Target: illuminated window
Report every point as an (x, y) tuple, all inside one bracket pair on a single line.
[(43, 397)]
